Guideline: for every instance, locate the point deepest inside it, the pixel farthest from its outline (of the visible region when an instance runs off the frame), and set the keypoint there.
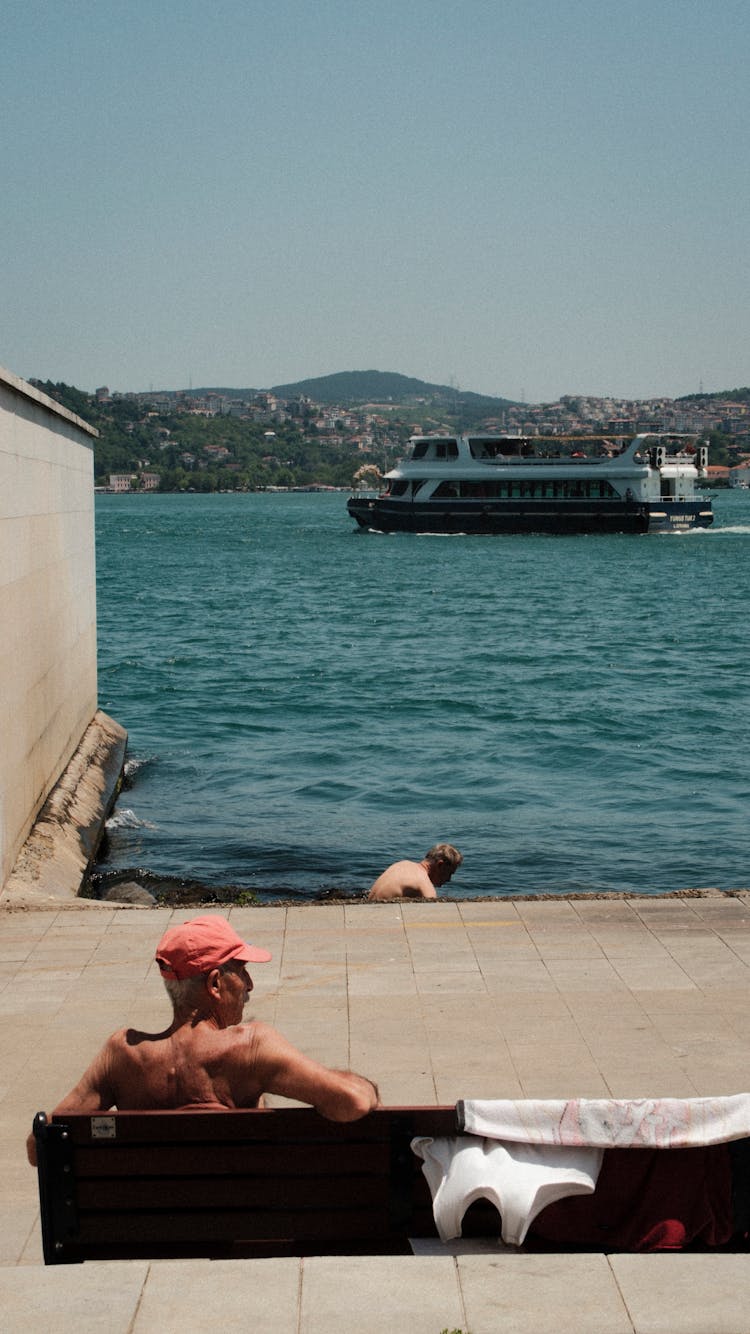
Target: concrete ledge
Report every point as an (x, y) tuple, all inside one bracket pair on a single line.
[(53, 862), (29, 391)]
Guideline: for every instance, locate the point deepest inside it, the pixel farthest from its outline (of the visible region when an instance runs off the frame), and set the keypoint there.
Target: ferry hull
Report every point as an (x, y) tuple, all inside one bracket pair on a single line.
[(387, 516)]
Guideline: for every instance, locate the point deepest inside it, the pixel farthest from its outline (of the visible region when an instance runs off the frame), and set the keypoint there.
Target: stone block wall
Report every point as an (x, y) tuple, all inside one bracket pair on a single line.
[(48, 684)]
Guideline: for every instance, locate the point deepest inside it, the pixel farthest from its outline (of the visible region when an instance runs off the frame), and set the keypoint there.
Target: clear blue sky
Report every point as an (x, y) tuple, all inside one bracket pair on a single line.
[(520, 197)]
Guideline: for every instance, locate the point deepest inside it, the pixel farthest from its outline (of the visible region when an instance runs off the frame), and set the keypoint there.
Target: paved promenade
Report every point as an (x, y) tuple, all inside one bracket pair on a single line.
[(511, 998)]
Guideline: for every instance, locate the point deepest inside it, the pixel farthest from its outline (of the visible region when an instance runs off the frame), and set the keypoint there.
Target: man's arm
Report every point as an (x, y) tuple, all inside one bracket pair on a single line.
[(339, 1095), (92, 1093)]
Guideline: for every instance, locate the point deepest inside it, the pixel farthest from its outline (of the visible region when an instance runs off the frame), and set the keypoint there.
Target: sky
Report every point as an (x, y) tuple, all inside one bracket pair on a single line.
[(515, 197)]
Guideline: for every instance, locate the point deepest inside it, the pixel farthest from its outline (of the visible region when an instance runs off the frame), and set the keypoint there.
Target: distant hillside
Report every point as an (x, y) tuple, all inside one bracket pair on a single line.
[(354, 387), (731, 396)]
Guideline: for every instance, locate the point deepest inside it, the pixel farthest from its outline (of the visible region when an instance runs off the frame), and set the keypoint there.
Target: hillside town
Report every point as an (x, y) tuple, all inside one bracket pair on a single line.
[(214, 439)]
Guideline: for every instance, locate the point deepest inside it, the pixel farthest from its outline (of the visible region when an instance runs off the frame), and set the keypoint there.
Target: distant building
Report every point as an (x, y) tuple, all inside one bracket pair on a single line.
[(121, 481), (134, 481)]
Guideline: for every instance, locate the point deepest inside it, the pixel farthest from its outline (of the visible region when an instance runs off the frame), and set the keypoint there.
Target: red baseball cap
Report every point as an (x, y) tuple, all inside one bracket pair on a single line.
[(201, 944)]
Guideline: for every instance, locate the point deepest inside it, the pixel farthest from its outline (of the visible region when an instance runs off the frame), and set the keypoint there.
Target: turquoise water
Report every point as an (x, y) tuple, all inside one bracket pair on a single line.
[(306, 702)]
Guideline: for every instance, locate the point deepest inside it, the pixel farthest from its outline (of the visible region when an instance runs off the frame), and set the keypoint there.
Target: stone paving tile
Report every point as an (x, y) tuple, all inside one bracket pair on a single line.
[(532, 978), (16, 1223), (368, 1059), (471, 910), (509, 956), (565, 1083), (585, 974), (542, 1294), (189, 1298), (379, 916), (387, 946), (402, 1088), (388, 980), (452, 983), (375, 1294), (649, 1083), (718, 1079), (72, 1299), (501, 1082), (250, 923), (642, 975), (32, 1253), (312, 918), (692, 1294)]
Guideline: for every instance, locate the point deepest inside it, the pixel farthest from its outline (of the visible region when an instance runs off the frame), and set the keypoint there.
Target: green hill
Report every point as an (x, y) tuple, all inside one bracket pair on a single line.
[(356, 387)]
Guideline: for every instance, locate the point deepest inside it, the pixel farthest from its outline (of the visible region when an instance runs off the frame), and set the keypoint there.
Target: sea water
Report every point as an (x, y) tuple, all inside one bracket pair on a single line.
[(306, 702)]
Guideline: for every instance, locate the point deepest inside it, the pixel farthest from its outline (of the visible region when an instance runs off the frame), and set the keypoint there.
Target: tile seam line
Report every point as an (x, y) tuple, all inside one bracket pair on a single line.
[(623, 1298), (461, 1298), (300, 1284), (139, 1303), (421, 998)]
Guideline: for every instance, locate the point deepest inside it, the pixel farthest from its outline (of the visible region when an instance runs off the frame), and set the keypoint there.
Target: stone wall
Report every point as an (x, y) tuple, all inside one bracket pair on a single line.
[(48, 685)]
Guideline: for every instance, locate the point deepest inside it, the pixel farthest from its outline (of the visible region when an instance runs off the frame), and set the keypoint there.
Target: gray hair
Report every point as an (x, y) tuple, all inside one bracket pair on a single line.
[(445, 852), (185, 993)]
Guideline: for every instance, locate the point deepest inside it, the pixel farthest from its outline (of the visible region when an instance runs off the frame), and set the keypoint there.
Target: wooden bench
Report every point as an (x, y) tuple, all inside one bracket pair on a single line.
[(281, 1181), (284, 1181)]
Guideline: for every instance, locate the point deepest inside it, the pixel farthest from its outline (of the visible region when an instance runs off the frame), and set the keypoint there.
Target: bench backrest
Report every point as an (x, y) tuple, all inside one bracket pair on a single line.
[(280, 1181)]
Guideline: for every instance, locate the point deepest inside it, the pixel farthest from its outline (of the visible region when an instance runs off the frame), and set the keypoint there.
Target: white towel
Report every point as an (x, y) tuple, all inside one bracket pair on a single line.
[(519, 1179), (635, 1123)]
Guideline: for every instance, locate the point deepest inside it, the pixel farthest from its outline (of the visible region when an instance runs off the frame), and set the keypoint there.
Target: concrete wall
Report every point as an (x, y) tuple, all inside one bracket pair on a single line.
[(48, 687)]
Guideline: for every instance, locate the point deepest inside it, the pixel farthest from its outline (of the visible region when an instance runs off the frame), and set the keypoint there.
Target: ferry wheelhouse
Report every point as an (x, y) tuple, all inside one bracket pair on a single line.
[(515, 484)]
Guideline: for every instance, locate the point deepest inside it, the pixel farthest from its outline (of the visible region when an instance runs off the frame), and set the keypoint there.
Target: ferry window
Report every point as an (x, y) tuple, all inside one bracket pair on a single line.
[(445, 489), (399, 488), (445, 449), (419, 450)]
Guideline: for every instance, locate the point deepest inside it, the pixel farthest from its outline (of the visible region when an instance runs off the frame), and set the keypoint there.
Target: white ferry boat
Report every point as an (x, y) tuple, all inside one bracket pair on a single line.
[(515, 484)]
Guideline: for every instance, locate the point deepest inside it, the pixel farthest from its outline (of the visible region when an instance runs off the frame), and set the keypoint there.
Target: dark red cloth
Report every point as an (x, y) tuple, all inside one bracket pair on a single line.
[(647, 1200)]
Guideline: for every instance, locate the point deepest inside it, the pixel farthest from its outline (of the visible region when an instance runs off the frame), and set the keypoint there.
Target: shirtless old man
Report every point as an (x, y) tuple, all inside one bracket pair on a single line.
[(417, 880), (206, 1057)]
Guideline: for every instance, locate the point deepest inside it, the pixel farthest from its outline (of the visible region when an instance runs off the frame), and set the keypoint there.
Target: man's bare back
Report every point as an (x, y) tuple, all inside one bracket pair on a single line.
[(403, 880), (417, 880), (198, 1065)]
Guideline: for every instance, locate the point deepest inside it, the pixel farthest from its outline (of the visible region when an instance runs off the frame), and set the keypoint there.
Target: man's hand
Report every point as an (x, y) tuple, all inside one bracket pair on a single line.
[(31, 1148)]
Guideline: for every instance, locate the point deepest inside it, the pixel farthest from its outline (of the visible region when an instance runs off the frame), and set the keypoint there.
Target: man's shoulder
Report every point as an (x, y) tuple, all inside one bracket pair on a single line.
[(404, 867)]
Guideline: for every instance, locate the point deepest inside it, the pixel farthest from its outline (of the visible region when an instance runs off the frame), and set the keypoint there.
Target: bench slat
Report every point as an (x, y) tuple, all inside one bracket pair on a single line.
[(116, 1159), (245, 1193), (209, 1226), (258, 1125)]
